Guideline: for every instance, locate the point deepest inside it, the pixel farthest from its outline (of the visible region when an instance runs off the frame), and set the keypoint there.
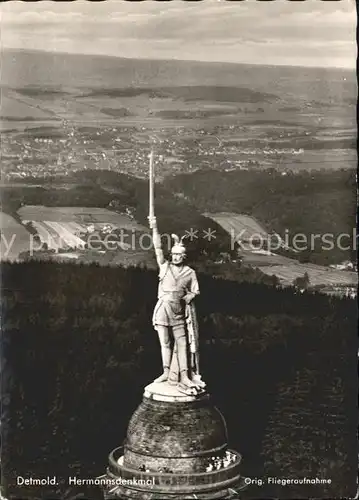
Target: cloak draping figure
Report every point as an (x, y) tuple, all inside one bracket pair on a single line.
[(174, 317)]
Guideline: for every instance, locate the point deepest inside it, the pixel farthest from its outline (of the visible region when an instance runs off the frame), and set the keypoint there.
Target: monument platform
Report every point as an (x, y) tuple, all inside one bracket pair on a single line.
[(164, 391), (175, 448)]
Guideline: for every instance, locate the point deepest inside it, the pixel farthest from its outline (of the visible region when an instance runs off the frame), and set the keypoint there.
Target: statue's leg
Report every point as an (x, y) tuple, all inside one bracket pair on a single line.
[(195, 375), (196, 356), (180, 337), (173, 377), (164, 338)]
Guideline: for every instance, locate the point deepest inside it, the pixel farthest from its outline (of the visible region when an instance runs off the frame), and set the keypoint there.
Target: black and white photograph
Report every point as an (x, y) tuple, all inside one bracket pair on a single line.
[(178, 250)]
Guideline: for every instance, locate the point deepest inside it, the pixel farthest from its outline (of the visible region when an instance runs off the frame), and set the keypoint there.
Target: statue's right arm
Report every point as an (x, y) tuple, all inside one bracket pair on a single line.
[(156, 238)]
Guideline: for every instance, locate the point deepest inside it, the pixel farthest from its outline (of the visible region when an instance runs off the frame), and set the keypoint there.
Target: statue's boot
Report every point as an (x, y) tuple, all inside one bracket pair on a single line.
[(180, 379), (186, 381), (190, 391), (186, 385), (163, 377), (172, 379)]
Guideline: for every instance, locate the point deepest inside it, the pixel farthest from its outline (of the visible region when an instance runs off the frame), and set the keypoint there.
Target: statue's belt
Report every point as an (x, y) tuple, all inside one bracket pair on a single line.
[(171, 297)]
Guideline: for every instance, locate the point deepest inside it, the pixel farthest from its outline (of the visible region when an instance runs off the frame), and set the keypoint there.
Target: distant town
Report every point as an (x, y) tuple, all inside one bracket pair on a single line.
[(46, 151)]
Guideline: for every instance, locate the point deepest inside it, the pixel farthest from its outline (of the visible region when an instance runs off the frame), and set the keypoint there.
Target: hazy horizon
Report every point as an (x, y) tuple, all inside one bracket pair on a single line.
[(158, 59)]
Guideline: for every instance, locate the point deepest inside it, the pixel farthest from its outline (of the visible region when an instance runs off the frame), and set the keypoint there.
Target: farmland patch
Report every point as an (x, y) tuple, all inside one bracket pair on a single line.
[(13, 108), (318, 275), (241, 227), (79, 215)]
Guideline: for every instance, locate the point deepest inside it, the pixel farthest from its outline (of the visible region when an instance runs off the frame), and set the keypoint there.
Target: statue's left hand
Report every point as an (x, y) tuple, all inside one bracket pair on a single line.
[(188, 298)]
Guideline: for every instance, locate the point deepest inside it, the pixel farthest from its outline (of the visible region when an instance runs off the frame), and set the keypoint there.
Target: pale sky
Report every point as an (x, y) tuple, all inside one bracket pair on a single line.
[(308, 33)]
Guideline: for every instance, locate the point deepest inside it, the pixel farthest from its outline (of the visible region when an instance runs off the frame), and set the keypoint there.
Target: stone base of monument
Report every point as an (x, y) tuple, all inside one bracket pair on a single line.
[(176, 448)]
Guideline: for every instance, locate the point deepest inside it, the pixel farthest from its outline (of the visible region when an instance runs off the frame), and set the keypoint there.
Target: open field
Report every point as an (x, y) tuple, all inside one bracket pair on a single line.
[(288, 270), (318, 275), (81, 216), (57, 234), (247, 229), (240, 227), (13, 108), (258, 259)]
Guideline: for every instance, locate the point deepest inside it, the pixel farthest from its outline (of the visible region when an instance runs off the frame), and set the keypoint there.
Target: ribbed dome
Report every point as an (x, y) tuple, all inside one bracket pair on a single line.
[(185, 433)]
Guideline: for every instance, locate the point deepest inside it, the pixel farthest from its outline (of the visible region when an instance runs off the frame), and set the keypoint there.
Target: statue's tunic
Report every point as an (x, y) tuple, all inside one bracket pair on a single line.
[(173, 286)]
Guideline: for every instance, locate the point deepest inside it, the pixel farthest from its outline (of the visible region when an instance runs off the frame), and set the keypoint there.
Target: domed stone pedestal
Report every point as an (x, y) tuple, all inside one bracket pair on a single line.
[(176, 448)]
